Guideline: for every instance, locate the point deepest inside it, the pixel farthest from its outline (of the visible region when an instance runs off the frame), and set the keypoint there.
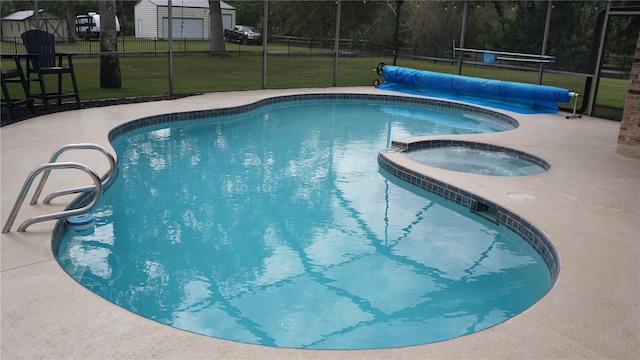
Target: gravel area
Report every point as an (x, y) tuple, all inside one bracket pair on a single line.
[(23, 112)]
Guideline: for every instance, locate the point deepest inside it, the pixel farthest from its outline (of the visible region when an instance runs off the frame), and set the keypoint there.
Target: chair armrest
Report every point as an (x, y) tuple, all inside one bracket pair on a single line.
[(67, 55)]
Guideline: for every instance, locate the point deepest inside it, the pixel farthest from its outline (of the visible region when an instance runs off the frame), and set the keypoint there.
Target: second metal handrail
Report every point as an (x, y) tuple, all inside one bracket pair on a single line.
[(105, 179), (27, 185)]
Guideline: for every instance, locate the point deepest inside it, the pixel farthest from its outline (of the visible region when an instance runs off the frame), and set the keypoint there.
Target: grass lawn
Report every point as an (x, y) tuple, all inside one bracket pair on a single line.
[(242, 70)]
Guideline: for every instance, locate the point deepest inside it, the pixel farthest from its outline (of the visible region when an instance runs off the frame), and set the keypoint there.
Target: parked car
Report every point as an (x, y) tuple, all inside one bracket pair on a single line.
[(243, 34)]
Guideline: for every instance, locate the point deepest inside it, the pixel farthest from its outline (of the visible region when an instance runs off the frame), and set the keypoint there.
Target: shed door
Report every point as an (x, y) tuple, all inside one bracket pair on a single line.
[(183, 28), (227, 21)]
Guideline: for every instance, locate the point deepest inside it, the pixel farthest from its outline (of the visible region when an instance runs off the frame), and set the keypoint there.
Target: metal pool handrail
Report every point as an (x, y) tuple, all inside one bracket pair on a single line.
[(106, 179), (27, 184)]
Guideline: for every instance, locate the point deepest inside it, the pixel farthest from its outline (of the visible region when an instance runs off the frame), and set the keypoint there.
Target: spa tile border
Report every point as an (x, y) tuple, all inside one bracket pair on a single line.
[(427, 144), (378, 99), (478, 205)]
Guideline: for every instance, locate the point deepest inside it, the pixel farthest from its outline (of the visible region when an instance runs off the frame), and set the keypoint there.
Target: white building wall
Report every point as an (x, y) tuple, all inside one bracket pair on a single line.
[(145, 14), (227, 13), (184, 13), (12, 29), (149, 18)]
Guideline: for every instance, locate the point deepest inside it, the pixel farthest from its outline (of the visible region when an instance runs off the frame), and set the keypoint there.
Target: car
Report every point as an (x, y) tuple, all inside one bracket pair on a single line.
[(243, 34)]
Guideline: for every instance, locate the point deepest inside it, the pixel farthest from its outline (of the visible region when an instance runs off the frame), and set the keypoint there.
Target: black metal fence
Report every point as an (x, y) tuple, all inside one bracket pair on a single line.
[(126, 45), (617, 67), (129, 45)]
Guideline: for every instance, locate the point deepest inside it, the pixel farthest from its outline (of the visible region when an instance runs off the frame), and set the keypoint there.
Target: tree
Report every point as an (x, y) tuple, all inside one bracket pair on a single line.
[(216, 35), (248, 12), (71, 21), (436, 25), (7, 8), (110, 76)]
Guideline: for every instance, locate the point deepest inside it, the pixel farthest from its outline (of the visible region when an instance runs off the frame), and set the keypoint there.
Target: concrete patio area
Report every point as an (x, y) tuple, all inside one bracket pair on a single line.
[(588, 204)]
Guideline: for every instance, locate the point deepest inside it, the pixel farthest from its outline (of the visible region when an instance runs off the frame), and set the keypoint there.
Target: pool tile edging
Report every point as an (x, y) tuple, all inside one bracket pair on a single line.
[(200, 114), (427, 144), (476, 204)]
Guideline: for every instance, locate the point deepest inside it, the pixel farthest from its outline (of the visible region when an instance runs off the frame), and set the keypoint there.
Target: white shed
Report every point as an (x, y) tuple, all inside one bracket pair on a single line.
[(190, 18), (15, 24)]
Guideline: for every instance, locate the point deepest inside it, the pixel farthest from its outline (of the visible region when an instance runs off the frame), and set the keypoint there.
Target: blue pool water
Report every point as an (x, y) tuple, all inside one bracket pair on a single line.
[(276, 227), (475, 161)]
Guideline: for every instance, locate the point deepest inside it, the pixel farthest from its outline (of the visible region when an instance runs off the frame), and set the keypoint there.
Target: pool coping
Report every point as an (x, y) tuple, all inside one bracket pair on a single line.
[(588, 211)]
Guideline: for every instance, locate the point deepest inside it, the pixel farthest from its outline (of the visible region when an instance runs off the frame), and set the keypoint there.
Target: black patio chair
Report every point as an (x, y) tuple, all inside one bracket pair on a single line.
[(15, 76), (41, 47)]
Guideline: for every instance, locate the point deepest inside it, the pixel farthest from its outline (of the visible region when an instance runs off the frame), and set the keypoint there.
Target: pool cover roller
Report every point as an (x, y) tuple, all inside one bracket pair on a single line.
[(523, 98)]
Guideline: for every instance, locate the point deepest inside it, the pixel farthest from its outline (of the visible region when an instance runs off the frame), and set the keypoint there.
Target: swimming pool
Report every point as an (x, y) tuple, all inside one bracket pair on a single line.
[(273, 225)]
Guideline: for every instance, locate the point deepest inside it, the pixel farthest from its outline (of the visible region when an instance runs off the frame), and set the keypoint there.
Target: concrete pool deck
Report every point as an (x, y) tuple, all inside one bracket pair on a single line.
[(588, 204)]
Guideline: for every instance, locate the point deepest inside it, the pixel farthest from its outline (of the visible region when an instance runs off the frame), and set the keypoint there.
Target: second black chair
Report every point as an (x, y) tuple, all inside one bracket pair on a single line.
[(41, 47), (14, 76)]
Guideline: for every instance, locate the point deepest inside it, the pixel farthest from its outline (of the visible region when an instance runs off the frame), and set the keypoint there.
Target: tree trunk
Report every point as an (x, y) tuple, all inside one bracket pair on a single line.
[(216, 31), (71, 21), (110, 76)]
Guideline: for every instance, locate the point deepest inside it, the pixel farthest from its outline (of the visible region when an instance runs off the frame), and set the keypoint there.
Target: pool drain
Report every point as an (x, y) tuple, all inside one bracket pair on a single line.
[(289, 324)]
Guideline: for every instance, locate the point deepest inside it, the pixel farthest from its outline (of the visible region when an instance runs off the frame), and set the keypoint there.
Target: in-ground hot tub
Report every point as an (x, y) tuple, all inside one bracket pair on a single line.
[(476, 158)]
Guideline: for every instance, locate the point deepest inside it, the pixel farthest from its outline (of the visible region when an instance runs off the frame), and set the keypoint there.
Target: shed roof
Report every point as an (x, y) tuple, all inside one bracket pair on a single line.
[(20, 15), (191, 3)]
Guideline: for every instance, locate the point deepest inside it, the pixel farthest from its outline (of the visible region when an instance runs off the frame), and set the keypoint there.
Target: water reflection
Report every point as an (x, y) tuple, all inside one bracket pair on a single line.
[(276, 228)]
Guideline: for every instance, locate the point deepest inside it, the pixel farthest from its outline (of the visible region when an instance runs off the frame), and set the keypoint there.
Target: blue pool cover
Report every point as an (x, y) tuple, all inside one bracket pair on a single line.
[(508, 95)]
